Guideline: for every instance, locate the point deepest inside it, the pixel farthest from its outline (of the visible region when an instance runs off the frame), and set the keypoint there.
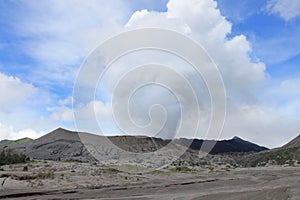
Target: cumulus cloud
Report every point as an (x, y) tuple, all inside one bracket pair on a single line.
[(13, 92), (243, 76), (205, 24), (18, 108), (287, 9), (57, 36), (173, 94), (8, 132), (209, 28), (61, 37)]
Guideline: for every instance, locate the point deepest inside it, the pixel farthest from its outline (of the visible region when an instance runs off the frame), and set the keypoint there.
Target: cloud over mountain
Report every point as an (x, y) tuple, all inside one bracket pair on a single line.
[(58, 35)]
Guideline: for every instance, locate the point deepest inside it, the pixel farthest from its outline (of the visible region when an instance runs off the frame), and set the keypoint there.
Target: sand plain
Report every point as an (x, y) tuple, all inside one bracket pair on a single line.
[(73, 180)]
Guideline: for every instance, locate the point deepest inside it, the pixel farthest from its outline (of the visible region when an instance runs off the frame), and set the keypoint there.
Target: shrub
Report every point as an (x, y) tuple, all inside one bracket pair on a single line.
[(8, 157), (181, 169), (25, 168), (46, 174)]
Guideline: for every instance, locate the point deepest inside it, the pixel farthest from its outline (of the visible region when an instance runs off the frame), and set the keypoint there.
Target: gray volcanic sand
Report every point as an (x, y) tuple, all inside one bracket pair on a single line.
[(71, 180)]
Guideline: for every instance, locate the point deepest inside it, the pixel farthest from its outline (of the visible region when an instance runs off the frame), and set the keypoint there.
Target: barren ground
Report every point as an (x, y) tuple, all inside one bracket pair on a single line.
[(71, 180)]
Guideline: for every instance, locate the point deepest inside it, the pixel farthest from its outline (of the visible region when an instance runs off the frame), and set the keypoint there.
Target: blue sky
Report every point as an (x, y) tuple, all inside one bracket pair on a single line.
[(43, 44), (274, 39)]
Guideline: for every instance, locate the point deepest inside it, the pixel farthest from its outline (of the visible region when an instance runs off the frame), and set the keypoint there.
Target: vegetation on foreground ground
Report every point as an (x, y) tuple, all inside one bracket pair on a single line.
[(8, 157)]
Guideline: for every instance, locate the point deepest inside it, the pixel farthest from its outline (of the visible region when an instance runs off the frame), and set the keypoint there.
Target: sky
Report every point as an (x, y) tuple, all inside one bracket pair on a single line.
[(255, 44)]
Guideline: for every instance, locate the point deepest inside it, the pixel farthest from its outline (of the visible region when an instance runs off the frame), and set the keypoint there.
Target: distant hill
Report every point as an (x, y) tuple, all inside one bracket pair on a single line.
[(288, 154), (59, 144), (4, 143), (62, 144)]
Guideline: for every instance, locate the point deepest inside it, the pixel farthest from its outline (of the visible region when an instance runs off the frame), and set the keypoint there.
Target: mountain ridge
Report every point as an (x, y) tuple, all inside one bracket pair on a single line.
[(236, 144), (62, 144)]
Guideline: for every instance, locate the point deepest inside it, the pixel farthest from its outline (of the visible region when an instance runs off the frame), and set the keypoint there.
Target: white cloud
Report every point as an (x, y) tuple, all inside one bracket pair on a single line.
[(207, 26), (98, 111), (63, 114), (93, 110), (243, 76), (21, 106), (204, 23), (13, 92), (8, 132), (290, 87), (262, 125), (143, 99), (56, 35), (287, 9), (66, 101), (285, 97), (60, 34), (86, 112)]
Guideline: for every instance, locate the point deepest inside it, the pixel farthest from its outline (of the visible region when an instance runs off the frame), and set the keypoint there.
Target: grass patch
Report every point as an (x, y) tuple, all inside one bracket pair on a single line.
[(72, 161), (46, 175), (130, 168), (104, 171), (181, 169)]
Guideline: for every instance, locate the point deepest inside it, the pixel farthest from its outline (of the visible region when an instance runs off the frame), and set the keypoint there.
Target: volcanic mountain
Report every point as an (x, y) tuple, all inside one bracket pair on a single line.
[(62, 144), (235, 144)]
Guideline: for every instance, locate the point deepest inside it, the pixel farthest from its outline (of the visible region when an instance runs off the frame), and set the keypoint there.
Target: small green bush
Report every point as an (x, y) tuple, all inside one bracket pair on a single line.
[(46, 174), (8, 157)]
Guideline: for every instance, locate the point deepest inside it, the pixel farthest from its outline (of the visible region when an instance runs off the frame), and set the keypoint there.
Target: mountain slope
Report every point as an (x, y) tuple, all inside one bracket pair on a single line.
[(59, 144), (4, 143), (294, 143), (287, 154)]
